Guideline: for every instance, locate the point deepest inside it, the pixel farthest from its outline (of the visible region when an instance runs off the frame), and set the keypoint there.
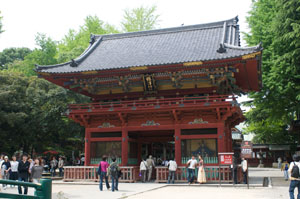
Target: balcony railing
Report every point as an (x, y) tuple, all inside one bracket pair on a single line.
[(166, 103)]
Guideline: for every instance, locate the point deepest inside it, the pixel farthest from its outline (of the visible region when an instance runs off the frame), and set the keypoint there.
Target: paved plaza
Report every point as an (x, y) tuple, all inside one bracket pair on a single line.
[(89, 190)]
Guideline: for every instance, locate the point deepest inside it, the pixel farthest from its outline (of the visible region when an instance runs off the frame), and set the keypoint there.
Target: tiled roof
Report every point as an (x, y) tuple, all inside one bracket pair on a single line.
[(203, 42)]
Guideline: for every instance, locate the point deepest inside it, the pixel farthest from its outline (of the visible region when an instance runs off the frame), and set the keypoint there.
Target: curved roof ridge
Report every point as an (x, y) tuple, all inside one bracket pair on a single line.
[(257, 47), (93, 44), (232, 21)]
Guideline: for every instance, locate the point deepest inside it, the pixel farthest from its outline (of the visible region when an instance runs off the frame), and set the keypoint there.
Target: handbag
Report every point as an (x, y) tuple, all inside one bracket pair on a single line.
[(99, 169)]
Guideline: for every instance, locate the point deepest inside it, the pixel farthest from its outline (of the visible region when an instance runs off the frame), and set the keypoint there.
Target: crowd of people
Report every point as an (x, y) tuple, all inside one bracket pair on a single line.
[(147, 166), (27, 169)]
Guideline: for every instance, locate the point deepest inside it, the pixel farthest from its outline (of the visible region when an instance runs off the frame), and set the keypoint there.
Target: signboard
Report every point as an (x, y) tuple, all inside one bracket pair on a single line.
[(226, 158), (246, 149)]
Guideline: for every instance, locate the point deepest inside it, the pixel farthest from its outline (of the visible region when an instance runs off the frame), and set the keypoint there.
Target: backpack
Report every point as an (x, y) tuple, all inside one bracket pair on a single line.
[(114, 170), (295, 171), (286, 167)]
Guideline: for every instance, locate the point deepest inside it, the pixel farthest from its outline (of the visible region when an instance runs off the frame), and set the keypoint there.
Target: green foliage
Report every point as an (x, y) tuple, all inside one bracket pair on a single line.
[(276, 24), (75, 42), (1, 25), (140, 19), (43, 55), (10, 55), (31, 115)]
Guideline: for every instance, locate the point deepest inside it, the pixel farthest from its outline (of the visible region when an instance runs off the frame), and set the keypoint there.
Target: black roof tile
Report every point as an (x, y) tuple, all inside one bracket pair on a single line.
[(203, 42)]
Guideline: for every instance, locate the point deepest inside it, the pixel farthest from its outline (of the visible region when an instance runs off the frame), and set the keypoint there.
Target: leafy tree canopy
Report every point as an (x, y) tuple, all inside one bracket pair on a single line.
[(1, 25), (139, 19), (10, 55), (276, 24)]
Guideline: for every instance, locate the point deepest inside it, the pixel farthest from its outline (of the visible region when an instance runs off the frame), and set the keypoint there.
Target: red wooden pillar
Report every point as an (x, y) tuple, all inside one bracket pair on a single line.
[(87, 147), (221, 138), (124, 146), (177, 145)]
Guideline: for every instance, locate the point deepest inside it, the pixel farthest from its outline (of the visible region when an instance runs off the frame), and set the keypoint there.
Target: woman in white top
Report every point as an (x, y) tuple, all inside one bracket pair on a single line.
[(201, 171), (14, 168)]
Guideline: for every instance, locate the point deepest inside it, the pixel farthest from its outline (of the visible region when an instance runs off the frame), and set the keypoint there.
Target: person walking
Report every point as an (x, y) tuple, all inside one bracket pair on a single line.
[(14, 169), (23, 173), (113, 172), (172, 170), (191, 165), (103, 166), (53, 166), (285, 168), (36, 171), (60, 166), (150, 167), (294, 176), (5, 169), (234, 169), (143, 170), (201, 171), (244, 169)]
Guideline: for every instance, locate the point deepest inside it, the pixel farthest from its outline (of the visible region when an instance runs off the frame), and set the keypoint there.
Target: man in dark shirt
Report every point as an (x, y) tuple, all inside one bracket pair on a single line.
[(23, 171)]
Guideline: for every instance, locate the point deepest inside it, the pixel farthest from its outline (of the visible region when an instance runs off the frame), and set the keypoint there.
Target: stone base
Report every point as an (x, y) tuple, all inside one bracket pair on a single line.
[(261, 166)]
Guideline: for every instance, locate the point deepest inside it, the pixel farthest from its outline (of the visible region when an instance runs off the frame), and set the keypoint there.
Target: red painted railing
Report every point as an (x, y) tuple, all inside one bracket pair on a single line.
[(131, 174), (166, 103), (213, 174), (89, 173)]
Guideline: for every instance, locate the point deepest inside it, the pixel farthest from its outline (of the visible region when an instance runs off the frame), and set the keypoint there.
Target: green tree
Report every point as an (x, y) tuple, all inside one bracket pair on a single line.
[(9, 55), (276, 24), (1, 25), (139, 19), (45, 54), (75, 42), (31, 116)]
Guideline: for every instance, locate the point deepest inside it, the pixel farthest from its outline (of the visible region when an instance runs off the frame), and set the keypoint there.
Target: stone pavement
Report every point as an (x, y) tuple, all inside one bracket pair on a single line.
[(90, 190)]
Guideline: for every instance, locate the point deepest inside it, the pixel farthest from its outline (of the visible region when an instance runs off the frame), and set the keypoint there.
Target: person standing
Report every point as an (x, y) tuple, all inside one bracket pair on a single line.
[(53, 166), (143, 170), (5, 169), (294, 176), (285, 168), (279, 160), (60, 166), (150, 166), (23, 172), (191, 165), (36, 171), (1, 161), (113, 172), (14, 168), (234, 169), (172, 170), (201, 171), (103, 165), (244, 169)]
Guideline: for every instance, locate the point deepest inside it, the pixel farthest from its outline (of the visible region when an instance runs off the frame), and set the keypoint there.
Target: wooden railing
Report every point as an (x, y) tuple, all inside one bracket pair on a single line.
[(135, 105), (221, 174), (89, 173)]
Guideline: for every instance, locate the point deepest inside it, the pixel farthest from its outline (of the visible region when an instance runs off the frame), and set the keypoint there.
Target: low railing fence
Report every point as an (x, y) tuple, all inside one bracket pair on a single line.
[(89, 173), (42, 190), (221, 174)]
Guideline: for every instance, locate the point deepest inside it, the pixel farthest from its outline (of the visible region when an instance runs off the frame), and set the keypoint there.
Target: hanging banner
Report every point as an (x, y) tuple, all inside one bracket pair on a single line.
[(246, 149), (226, 158)]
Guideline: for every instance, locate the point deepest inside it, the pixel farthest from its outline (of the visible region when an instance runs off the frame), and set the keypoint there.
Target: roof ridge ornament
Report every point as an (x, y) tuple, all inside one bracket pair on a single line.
[(73, 63), (92, 39), (222, 47)]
